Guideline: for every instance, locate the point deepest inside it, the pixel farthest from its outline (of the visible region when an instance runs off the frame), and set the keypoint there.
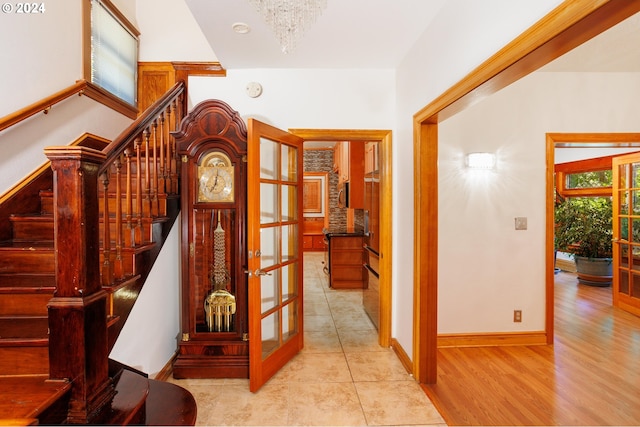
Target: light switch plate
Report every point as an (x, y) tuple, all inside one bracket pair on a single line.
[(521, 223)]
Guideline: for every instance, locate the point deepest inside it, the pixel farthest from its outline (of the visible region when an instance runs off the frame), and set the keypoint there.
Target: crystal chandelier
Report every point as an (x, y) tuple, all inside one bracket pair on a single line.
[(289, 19)]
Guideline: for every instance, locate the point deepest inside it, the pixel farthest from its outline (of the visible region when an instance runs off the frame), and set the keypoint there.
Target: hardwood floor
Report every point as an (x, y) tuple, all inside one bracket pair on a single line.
[(590, 376)]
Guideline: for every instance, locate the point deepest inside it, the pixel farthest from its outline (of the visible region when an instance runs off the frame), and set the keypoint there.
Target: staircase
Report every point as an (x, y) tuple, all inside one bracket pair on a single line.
[(136, 204), (27, 283)]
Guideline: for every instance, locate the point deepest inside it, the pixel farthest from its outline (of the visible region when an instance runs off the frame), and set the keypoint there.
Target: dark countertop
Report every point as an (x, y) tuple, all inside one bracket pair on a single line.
[(343, 232)]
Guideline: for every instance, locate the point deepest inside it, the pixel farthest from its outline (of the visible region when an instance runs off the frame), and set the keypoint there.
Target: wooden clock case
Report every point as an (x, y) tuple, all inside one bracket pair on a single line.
[(212, 125)]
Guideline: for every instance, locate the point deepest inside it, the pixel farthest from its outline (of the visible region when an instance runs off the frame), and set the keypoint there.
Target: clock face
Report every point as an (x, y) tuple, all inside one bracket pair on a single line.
[(215, 179)]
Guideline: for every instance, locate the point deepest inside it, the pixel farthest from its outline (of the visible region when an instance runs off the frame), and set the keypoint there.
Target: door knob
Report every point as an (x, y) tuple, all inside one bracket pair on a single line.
[(260, 272)]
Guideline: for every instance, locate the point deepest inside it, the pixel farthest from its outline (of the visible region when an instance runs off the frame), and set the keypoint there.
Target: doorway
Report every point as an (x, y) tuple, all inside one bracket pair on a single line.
[(622, 143), (384, 139), (567, 26)]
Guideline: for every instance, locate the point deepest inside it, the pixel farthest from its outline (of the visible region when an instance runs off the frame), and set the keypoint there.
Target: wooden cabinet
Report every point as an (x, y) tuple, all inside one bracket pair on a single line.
[(345, 262), (313, 237), (341, 161), (314, 242), (348, 163), (371, 157)]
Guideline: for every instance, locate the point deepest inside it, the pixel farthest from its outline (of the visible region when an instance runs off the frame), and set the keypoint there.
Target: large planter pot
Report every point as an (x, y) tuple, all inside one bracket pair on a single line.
[(594, 271)]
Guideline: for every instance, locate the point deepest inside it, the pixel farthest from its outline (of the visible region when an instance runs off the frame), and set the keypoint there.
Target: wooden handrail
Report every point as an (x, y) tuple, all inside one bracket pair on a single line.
[(81, 87), (41, 106), (135, 129)]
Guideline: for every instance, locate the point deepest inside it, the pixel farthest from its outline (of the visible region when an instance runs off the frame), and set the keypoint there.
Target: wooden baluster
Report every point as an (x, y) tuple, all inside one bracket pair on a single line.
[(174, 154), (118, 265), (170, 121), (138, 234), (162, 165), (168, 155), (128, 153), (107, 268), (147, 171), (155, 207)]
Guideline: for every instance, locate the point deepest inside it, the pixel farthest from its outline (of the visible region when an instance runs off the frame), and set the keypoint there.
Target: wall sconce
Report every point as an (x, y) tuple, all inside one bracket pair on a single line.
[(486, 161)]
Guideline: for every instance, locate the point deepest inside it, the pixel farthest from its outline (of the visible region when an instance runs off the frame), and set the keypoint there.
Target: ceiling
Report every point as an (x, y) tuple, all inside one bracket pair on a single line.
[(348, 34), (376, 34)]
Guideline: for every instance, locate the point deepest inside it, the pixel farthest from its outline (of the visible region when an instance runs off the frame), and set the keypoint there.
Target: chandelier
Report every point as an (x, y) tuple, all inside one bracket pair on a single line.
[(289, 19)]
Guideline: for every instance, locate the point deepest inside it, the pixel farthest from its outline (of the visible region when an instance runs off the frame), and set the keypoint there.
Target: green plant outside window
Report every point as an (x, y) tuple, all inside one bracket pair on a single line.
[(592, 179)]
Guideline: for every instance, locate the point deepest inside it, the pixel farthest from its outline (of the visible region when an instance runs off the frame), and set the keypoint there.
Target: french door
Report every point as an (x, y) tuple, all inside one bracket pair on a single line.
[(626, 232), (274, 191)]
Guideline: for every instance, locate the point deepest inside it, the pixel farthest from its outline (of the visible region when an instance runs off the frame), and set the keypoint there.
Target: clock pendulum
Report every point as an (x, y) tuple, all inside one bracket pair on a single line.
[(220, 304)]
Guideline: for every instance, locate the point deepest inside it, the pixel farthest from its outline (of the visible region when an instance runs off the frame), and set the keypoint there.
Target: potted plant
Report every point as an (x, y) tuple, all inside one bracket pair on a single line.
[(584, 228)]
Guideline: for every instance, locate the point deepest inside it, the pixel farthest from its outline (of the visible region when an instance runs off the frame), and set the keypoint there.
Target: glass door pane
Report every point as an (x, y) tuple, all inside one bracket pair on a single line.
[(275, 243), (626, 232)]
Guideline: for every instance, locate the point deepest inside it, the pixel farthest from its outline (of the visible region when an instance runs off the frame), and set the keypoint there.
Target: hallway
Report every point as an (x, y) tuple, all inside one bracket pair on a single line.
[(341, 377)]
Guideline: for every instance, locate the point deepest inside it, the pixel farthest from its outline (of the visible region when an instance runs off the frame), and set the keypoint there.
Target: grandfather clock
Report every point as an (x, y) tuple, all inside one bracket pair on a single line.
[(212, 145)]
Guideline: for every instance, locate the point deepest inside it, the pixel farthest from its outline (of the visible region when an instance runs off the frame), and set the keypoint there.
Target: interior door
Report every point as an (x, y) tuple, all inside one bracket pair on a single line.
[(274, 191), (626, 232)]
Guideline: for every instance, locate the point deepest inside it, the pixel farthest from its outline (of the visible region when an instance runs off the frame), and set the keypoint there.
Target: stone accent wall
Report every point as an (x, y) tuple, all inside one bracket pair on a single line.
[(322, 161)]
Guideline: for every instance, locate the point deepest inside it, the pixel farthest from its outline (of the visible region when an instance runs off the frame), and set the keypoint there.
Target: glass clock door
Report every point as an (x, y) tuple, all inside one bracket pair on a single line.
[(274, 192)]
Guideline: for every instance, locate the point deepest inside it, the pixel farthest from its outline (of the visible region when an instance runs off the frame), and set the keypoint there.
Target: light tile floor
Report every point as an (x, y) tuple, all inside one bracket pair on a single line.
[(341, 377)]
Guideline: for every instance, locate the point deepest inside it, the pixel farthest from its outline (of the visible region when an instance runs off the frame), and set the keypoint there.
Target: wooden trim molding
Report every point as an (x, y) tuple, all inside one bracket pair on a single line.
[(402, 355), (165, 373), (567, 26), (492, 339), (200, 68)]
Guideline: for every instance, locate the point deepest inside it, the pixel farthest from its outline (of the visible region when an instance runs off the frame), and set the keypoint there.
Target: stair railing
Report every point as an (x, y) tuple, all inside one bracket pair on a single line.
[(78, 311), (146, 152)]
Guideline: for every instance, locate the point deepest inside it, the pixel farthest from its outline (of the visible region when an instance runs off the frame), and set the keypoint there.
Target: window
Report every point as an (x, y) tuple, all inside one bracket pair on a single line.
[(112, 51), (584, 178), (591, 179)]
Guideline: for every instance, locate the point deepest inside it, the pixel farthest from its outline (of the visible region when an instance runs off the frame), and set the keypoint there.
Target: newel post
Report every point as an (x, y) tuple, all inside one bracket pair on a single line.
[(78, 346)]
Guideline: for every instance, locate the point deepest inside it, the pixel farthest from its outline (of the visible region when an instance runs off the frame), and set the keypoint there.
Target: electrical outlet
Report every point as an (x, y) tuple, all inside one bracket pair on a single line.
[(517, 316)]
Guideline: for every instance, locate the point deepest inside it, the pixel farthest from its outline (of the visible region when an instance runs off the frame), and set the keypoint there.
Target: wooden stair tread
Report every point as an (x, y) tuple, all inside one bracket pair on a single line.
[(27, 245), (21, 282), (28, 396), (19, 327), (36, 216)]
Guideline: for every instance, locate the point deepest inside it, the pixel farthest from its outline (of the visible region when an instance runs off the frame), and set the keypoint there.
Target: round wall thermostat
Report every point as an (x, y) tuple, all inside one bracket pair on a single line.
[(254, 89)]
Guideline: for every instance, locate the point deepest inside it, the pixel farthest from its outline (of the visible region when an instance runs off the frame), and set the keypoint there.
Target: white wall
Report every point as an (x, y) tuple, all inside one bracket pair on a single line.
[(462, 36), (169, 32), (486, 268), (128, 9), (22, 145), (306, 98), (40, 54), (150, 336)]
